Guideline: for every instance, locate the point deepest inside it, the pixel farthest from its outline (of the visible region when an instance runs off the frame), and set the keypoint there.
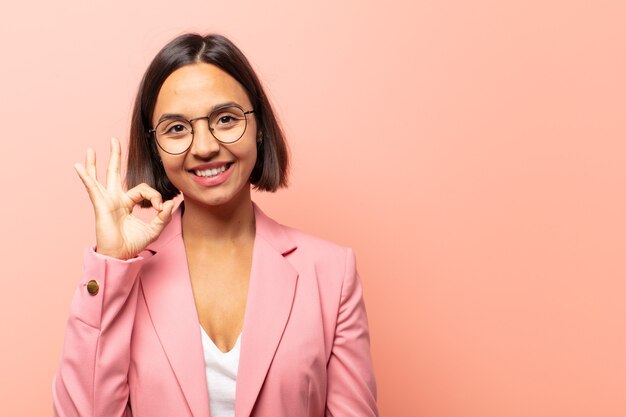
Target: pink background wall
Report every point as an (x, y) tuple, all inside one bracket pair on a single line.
[(472, 152)]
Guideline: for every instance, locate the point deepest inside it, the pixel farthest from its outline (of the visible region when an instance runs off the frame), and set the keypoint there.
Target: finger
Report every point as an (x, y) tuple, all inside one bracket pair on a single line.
[(163, 217), (90, 163), (144, 192), (114, 181), (90, 169), (90, 184)]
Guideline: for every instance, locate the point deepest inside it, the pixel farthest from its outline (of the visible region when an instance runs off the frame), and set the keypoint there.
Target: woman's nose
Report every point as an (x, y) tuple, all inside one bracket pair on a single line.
[(204, 143)]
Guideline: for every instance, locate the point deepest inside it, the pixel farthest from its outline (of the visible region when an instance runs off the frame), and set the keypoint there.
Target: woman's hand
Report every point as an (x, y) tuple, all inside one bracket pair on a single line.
[(118, 233)]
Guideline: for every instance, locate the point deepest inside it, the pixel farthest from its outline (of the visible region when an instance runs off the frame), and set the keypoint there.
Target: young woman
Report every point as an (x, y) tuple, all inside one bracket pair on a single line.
[(212, 309)]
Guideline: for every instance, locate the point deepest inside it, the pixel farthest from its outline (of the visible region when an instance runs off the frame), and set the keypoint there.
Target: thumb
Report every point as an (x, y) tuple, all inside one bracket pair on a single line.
[(163, 217)]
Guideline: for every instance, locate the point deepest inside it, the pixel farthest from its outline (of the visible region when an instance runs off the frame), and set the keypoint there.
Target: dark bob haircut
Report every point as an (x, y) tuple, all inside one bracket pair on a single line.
[(144, 165)]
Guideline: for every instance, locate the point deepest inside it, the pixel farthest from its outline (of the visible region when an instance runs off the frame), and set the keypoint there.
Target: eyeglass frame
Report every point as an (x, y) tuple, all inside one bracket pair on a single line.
[(207, 117)]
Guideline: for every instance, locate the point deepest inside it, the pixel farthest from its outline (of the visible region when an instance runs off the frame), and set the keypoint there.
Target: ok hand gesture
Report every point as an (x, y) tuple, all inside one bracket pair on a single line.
[(118, 233)]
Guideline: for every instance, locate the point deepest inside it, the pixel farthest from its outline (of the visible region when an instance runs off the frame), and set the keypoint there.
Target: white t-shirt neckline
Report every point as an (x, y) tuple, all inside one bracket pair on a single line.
[(221, 375)]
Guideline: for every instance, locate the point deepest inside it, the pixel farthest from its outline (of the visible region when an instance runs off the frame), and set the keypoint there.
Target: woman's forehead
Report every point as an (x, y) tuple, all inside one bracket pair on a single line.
[(196, 89)]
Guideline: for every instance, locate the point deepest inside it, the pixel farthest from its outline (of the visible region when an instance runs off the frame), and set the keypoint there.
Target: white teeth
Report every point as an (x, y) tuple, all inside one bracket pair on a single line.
[(210, 172)]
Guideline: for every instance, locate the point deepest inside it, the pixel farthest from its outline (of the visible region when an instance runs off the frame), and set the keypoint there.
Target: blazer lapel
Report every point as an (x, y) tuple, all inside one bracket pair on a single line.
[(270, 297), (172, 308), (169, 297)]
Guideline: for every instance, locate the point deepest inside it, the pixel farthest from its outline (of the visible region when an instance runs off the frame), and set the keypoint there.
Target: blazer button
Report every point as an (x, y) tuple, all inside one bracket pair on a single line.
[(93, 287)]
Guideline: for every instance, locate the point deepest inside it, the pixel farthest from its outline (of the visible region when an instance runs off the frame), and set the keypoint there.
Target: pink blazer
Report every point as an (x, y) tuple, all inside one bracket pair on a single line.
[(135, 349)]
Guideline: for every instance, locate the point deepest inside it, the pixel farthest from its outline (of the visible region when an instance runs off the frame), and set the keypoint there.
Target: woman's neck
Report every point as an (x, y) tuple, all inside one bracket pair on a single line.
[(229, 223)]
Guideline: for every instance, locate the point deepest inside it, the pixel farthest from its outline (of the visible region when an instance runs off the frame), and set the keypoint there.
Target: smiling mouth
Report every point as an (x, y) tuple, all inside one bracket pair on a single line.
[(212, 172)]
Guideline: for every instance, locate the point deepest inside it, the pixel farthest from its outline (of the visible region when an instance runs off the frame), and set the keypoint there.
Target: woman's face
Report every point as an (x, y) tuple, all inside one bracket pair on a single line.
[(210, 173)]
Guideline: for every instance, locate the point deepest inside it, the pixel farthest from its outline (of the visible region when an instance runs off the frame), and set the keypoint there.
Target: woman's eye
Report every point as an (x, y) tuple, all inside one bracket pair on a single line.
[(226, 120), (176, 128)]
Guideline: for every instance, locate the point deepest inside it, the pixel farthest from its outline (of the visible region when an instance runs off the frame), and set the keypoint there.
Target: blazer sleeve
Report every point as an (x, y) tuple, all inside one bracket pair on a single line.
[(92, 379), (351, 382)]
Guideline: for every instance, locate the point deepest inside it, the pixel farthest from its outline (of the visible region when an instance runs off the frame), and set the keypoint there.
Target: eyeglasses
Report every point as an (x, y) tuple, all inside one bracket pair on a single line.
[(175, 134)]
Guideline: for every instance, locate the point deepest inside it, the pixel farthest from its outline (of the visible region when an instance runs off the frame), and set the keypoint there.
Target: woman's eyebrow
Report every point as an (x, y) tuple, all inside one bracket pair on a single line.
[(167, 116)]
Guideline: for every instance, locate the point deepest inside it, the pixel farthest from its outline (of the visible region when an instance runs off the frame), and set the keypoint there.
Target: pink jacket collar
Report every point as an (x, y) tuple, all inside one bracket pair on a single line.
[(266, 227)]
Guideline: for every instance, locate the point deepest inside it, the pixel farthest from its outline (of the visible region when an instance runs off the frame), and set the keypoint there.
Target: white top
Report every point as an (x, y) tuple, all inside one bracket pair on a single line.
[(221, 376)]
